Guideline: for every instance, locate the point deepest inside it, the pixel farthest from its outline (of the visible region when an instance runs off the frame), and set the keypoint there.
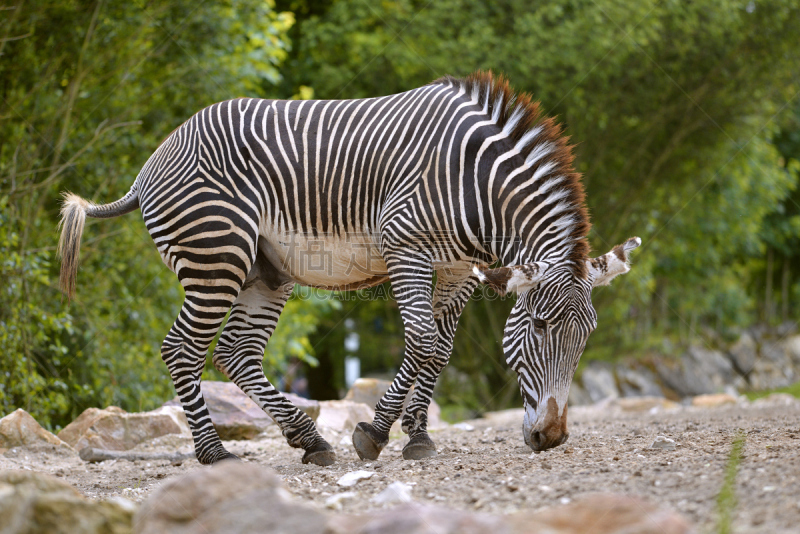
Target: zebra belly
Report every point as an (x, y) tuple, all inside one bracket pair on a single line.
[(328, 262)]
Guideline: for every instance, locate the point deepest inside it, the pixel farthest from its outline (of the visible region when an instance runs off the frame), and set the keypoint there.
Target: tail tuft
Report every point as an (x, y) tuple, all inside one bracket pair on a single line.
[(73, 218)]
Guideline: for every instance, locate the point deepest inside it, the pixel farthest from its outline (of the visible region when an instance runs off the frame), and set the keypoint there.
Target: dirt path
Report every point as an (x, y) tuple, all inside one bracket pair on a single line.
[(490, 469)]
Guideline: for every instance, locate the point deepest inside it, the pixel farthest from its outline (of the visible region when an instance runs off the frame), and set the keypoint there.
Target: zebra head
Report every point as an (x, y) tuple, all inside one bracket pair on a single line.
[(547, 331)]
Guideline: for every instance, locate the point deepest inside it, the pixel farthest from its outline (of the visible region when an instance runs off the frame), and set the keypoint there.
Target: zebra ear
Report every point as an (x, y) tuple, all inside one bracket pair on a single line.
[(516, 279), (605, 268)]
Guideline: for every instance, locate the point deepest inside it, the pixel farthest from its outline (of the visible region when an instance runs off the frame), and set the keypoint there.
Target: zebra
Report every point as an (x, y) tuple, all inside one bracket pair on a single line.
[(443, 180)]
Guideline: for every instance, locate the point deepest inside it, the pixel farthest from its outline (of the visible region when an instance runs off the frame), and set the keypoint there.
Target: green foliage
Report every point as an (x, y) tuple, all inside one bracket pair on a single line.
[(793, 390), (89, 91), (674, 107), (727, 500), (682, 114)]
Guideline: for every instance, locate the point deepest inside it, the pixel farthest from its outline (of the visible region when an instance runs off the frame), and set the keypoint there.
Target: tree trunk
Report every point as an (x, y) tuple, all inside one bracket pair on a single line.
[(785, 291), (768, 289)]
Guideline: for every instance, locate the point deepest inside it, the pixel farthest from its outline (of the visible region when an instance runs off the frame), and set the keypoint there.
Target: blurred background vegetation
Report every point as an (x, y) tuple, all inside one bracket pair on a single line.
[(686, 118)]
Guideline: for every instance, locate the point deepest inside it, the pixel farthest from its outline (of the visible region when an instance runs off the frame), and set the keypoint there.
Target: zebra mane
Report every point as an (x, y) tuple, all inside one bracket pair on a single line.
[(542, 145)]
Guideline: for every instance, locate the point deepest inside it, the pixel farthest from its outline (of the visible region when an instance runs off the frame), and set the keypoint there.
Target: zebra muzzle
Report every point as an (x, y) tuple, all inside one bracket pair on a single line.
[(549, 431)]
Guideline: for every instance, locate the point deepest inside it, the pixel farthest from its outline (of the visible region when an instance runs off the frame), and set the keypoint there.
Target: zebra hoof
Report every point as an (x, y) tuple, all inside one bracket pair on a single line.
[(419, 447), (367, 442), (320, 454)]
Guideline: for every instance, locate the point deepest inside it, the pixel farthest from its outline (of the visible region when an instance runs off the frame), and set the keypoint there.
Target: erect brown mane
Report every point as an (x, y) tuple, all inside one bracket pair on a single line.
[(496, 92)]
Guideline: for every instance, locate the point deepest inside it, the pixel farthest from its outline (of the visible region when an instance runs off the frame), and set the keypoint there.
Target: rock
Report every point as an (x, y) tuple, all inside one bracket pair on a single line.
[(643, 404), (394, 493), (237, 416), (73, 431), (418, 519), (512, 416), (663, 443), (228, 497), (114, 429), (335, 501), (577, 395), (599, 382), (743, 354), (767, 374), (370, 390), (351, 479), (713, 400), (792, 346), (776, 399), (466, 427), (35, 502), (699, 371), (343, 415), (637, 382), (19, 429), (601, 514)]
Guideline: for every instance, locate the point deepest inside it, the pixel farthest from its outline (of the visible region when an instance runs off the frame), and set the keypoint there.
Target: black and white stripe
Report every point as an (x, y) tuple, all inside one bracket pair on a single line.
[(439, 179)]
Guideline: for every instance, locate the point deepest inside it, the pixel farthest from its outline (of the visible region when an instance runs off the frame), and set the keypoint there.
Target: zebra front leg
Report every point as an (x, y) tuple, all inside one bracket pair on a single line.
[(239, 354), (411, 285), (184, 352), (449, 298)]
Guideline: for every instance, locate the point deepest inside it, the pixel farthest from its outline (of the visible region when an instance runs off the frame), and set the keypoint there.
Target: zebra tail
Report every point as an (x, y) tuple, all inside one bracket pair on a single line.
[(74, 211)]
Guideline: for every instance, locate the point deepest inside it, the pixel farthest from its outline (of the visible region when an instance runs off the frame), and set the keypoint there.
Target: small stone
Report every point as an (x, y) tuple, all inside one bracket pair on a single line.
[(346, 441), (464, 426), (351, 479), (663, 443), (396, 492)]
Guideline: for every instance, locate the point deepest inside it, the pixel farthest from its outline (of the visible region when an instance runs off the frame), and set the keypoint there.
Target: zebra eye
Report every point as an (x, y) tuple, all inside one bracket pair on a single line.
[(539, 323)]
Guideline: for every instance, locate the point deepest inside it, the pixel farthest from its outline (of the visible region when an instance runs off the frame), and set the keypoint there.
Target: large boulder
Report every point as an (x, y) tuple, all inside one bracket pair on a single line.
[(767, 374), (792, 346), (229, 497), (599, 382), (32, 502), (237, 416), (776, 368), (343, 415), (19, 429), (115, 429), (743, 353), (637, 381), (578, 395), (370, 390), (699, 371)]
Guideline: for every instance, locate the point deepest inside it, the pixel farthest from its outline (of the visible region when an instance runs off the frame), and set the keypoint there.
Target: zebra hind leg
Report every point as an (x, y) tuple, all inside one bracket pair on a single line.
[(184, 352), (239, 354)]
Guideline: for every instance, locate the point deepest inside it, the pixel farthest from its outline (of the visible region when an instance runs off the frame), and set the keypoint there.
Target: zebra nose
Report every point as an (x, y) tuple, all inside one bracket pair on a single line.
[(537, 440), (550, 431), (541, 441)]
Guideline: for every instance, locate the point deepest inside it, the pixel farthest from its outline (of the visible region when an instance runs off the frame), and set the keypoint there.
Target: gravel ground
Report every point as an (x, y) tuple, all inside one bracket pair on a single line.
[(488, 468)]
